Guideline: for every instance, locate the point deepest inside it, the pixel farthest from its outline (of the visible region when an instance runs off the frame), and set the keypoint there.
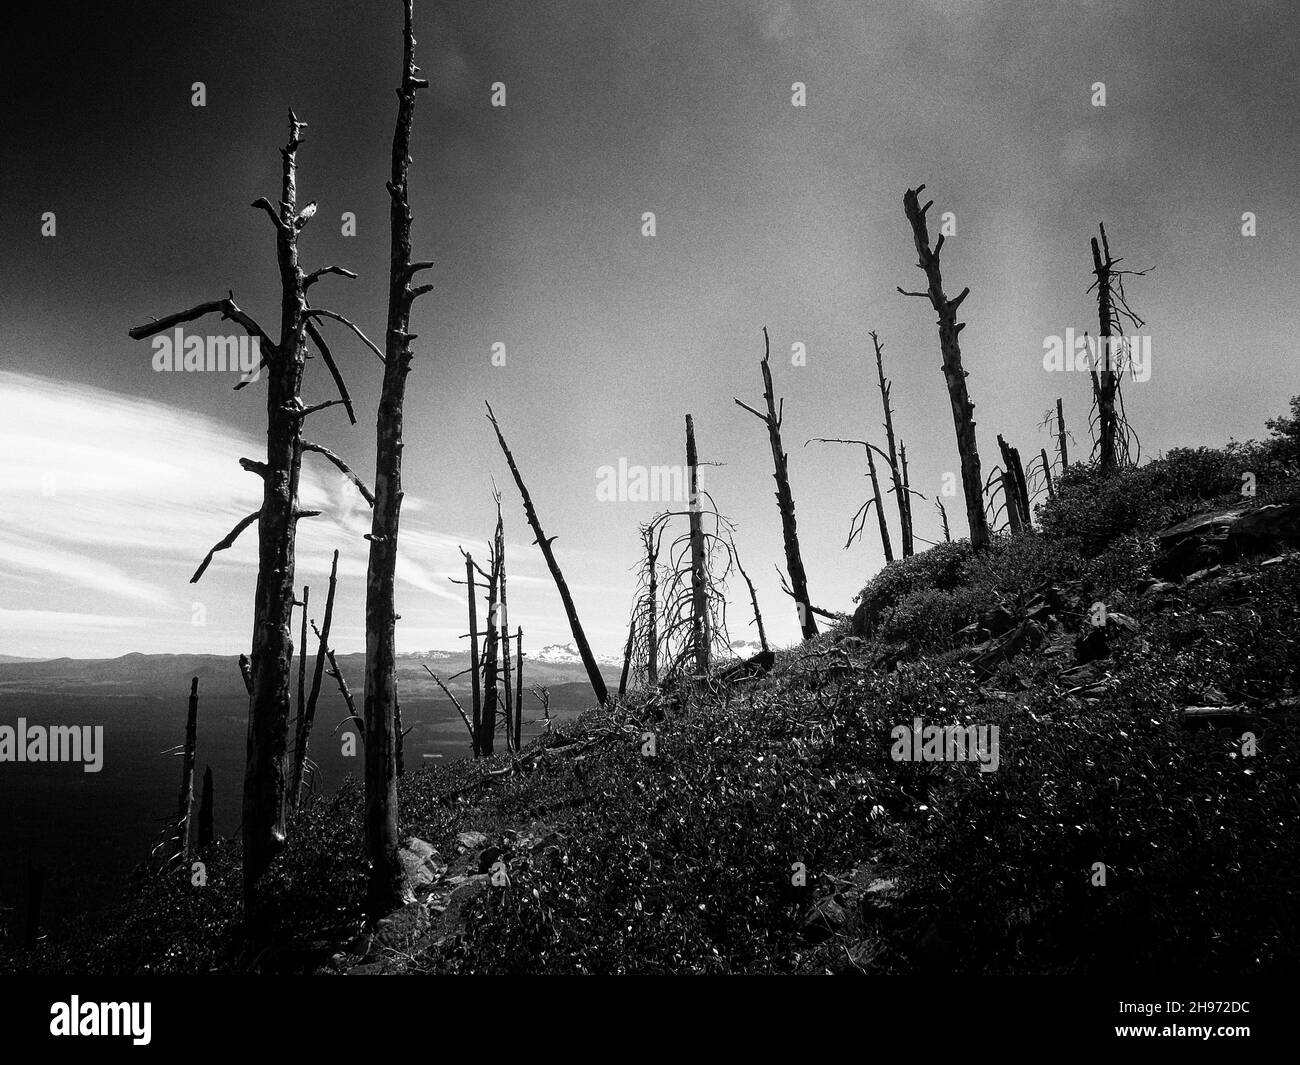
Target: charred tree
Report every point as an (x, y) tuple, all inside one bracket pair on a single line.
[(858, 524), (1105, 383), (943, 517), (784, 498), (1060, 437), (753, 598), (507, 695), (307, 711), (901, 497), (302, 673), (487, 734), (699, 602), (519, 686), (265, 777), (963, 410), (206, 835), (544, 544), (186, 803), (627, 656), (473, 653), (387, 888)]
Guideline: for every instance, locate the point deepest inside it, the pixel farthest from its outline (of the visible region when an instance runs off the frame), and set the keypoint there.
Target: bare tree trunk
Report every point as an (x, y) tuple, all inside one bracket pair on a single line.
[(387, 888), (206, 835), (307, 711), (904, 510), (519, 686), (880, 506), (507, 693), (784, 498), (1105, 384), (487, 737), (699, 595), (302, 672), (753, 596), (627, 656), (943, 515), (1047, 472), (1018, 499), (963, 410), (187, 772), (1010, 495), (652, 622), (246, 671), (907, 486), (1060, 437), (473, 738), (544, 544), (473, 653), (272, 644)]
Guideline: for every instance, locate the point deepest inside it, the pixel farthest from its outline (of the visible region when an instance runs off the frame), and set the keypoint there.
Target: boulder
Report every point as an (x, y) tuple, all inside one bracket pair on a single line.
[(420, 862), (1225, 536)]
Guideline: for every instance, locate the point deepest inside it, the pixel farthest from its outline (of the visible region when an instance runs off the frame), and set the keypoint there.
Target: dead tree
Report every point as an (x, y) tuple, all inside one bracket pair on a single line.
[(473, 651), (699, 606), (943, 517), (388, 888), (506, 693), (1114, 441), (645, 612), (187, 772), (473, 738), (544, 545), (302, 674), (963, 410), (907, 487), (1011, 497), (1047, 472), (1060, 436), (519, 686), (265, 782), (246, 671), (307, 710), (753, 598), (858, 523), (206, 835), (784, 499), (627, 656), (901, 498), (1014, 481), (487, 735)]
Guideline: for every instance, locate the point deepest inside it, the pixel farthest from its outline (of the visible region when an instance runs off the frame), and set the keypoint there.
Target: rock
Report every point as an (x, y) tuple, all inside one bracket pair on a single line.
[(1121, 622), (421, 862), (826, 919), (1225, 536), (468, 841), (401, 928)]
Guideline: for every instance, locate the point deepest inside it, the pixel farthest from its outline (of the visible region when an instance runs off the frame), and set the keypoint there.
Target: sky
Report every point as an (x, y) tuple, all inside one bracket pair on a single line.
[(117, 478)]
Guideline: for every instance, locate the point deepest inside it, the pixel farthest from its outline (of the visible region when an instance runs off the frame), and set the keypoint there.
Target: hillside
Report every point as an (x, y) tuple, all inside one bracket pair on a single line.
[(1138, 655)]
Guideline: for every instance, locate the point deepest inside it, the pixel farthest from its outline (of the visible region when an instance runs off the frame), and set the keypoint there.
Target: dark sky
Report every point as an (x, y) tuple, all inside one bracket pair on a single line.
[(118, 478)]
